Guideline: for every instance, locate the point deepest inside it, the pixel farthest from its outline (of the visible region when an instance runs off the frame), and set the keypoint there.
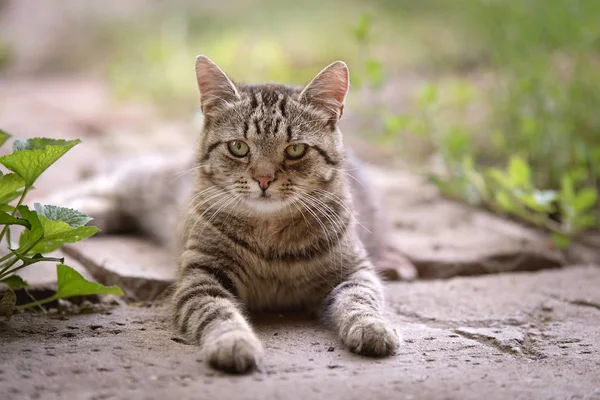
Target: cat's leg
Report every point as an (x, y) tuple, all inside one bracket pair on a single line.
[(205, 311), (355, 307)]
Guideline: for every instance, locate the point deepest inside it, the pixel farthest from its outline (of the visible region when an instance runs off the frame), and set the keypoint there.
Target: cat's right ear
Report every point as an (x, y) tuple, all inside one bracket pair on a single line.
[(216, 89)]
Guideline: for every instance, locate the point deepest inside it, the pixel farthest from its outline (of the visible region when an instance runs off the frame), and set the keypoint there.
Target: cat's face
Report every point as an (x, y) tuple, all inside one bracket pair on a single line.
[(271, 147)]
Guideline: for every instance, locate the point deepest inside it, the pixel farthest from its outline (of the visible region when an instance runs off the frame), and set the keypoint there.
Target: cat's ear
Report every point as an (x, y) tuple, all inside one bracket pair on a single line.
[(328, 89), (216, 89)]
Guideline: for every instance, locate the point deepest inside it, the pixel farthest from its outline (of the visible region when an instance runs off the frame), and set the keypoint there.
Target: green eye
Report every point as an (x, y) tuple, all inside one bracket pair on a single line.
[(238, 148), (295, 151)]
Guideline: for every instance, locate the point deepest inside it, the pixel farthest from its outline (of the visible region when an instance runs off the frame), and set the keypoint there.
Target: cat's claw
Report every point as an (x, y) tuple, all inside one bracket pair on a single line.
[(372, 337), (237, 351)]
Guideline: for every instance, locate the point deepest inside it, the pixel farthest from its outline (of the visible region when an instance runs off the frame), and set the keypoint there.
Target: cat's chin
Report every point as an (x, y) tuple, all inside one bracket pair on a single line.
[(265, 206)]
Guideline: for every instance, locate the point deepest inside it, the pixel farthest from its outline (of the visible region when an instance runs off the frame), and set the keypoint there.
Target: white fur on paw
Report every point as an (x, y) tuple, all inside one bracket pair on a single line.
[(236, 351), (372, 337)]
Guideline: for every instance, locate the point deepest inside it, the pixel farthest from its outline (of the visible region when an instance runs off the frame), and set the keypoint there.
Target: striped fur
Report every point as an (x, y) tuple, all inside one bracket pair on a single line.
[(300, 249), (309, 247)]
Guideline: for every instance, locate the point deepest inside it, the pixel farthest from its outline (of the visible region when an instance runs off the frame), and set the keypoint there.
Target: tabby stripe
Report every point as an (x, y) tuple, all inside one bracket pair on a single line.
[(325, 156), (257, 127), (246, 129), (199, 306), (210, 316), (218, 273), (276, 128), (282, 107), (232, 237), (253, 100), (289, 133), (210, 149), (198, 292)]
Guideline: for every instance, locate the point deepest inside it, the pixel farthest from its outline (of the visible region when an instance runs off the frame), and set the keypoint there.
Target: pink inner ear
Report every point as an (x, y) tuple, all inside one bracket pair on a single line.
[(329, 88), (215, 87)]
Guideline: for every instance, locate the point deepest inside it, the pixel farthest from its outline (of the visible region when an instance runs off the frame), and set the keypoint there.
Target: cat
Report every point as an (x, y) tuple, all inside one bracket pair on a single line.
[(279, 216)]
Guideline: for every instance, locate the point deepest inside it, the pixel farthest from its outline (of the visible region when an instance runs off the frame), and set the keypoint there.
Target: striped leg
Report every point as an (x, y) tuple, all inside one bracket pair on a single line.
[(355, 307), (206, 312)]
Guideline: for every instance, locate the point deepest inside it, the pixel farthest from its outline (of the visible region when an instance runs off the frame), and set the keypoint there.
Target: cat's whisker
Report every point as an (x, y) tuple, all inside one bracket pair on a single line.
[(332, 216), (343, 204), (180, 174)]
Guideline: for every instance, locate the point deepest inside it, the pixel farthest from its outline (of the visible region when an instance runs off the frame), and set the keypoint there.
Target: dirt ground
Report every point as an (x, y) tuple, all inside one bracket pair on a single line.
[(517, 335)]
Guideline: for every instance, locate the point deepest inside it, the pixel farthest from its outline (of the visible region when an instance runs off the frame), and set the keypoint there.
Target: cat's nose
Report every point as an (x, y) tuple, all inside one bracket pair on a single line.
[(264, 181)]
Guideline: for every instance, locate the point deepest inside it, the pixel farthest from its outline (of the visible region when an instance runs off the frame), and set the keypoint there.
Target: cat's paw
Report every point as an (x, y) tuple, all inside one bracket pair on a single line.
[(236, 351), (372, 337)]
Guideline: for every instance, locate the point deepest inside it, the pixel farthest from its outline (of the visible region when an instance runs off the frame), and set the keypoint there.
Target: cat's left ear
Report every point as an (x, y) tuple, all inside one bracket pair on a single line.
[(328, 89), (216, 89)]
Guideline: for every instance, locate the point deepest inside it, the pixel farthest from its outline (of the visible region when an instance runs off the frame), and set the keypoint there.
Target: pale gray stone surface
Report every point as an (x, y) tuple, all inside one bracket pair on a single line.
[(512, 336)]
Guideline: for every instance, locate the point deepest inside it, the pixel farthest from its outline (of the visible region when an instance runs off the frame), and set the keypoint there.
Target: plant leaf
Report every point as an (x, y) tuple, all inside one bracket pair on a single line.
[(71, 283), (15, 282), (427, 95), (11, 187), (72, 217), (54, 233), (35, 231), (583, 222), (3, 137), (585, 199), (560, 241), (7, 219), (519, 172), (31, 157), (374, 70)]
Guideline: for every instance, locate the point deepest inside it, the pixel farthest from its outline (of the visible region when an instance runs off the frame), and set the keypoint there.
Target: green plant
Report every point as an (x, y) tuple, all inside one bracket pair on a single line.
[(566, 210), (43, 229)]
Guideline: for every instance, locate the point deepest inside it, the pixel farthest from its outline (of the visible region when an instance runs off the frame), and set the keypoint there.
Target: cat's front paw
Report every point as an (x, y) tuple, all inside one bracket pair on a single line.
[(236, 351), (372, 337)]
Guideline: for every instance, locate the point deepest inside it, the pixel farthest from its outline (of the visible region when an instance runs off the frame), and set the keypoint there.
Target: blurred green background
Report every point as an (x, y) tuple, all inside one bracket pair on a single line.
[(496, 101)]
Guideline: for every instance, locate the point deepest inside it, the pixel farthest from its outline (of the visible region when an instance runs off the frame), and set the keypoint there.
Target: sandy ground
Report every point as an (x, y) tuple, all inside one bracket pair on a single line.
[(517, 336)]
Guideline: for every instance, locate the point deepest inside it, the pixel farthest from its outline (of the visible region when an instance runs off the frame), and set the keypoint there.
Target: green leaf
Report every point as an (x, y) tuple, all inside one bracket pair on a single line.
[(33, 156), (72, 217), (585, 199), (505, 201), (71, 283), (35, 232), (519, 172), (11, 187), (7, 304), (54, 233), (396, 123), (499, 177), (560, 241), (374, 70), (427, 95), (6, 208), (362, 28), (3, 137), (15, 282), (583, 222), (7, 219), (57, 233)]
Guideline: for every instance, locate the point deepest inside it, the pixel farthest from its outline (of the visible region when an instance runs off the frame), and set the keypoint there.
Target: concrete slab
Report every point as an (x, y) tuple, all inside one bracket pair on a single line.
[(454, 334)]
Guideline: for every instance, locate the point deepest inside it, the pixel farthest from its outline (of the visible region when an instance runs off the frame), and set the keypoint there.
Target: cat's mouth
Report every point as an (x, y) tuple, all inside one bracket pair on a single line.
[(265, 203)]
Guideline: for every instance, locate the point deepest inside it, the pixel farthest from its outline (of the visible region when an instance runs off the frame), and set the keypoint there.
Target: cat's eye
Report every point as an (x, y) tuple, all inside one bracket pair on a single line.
[(238, 148), (295, 151)]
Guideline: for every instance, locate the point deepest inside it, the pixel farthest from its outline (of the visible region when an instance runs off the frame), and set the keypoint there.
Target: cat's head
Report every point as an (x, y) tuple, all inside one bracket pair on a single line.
[(269, 145)]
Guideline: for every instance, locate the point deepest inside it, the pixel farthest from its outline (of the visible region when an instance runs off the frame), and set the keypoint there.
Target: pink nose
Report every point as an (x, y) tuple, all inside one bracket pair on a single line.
[(264, 181)]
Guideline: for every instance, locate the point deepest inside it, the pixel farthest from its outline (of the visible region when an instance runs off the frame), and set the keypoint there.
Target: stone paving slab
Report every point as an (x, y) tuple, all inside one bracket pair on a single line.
[(519, 335)]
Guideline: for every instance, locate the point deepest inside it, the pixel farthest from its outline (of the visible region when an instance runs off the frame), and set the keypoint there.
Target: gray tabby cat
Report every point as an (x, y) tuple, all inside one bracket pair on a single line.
[(276, 220)]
